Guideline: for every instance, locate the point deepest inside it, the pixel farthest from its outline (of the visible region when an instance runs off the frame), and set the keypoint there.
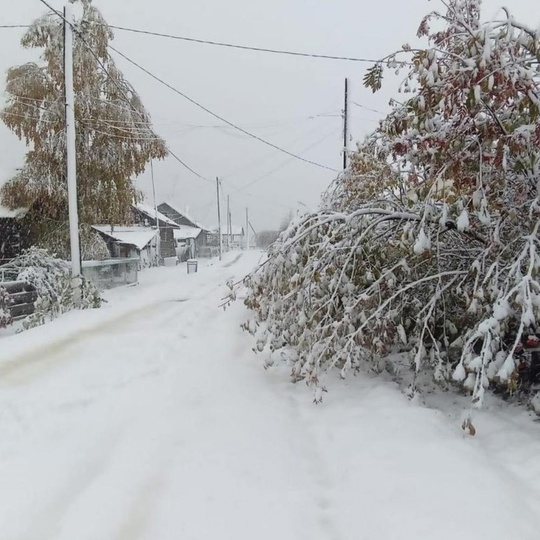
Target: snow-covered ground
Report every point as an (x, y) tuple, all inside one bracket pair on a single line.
[(152, 419)]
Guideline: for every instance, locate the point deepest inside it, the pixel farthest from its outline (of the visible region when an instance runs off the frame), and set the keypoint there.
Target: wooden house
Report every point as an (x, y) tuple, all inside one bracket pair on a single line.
[(145, 215), (190, 232)]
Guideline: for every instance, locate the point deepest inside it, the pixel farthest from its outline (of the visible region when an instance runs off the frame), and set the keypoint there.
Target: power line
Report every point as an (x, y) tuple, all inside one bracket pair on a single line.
[(224, 44), (369, 108), (244, 47), (242, 130), (119, 88), (281, 165)]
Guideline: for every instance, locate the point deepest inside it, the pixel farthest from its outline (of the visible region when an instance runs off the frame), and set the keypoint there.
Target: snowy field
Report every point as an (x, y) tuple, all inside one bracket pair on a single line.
[(152, 419)]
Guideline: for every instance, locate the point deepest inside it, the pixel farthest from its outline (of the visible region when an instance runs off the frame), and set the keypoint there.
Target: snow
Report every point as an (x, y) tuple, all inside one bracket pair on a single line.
[(152, 419), (151, 213), (7, 213), (422, 243), (139, 237), (185, 232)]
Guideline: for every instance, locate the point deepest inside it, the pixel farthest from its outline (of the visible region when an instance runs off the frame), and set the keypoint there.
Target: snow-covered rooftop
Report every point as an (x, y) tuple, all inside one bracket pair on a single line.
[(151, 213), (185, 232), (139, 237), (189, 217)]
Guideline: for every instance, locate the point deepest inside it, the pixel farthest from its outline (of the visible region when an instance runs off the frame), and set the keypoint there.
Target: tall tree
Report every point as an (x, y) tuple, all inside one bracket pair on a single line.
[(115, 138)]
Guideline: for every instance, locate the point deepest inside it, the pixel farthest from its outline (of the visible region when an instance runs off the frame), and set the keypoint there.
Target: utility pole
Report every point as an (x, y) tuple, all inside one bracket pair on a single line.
[(71, 162), (156, 210), (228, 222), (345, 123), (255, 235), (247, 229), (219, 219)]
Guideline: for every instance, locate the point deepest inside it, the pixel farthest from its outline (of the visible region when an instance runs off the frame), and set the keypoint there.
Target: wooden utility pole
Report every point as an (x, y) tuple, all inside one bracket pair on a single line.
[(228, 222), (247, 228), (71, 152), (345, 123), (219, 220), (158, 246)]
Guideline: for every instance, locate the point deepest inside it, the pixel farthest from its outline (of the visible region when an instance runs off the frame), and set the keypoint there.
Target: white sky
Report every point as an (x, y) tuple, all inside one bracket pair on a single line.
[(279, 98)]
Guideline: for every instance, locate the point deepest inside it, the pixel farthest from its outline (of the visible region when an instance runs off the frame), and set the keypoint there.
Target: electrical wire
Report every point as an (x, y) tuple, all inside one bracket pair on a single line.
[(284, 163), (215, 115), (239, 171), (245, 47), (223, 44), (120, 89), (369, 108)]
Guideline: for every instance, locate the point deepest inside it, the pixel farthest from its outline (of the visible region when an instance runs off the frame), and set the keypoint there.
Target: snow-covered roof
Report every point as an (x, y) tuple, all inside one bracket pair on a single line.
[(185, 232), (151, 213), (139, 237), (185, 213)]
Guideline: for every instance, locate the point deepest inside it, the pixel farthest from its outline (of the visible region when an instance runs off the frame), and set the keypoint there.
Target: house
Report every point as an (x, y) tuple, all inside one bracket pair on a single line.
[(193, 233), (187, 242), (237, 238), (130, 242), (145, 215), (13, 237)]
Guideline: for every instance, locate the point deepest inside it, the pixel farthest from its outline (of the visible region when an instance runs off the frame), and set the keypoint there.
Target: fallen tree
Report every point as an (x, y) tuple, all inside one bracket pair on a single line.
[(429, 242)]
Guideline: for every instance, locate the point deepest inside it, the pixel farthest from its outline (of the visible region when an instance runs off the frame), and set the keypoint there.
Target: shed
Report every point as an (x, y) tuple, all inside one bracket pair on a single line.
[(130, 242)]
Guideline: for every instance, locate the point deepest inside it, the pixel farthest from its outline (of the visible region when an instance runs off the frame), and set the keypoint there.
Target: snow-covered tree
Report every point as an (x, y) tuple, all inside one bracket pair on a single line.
[(430, 241), (115, 139), (53, 282)]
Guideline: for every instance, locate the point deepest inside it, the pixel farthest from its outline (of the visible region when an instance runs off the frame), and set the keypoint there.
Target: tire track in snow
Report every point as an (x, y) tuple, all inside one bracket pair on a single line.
[(48, 522), (310, 446), (32, 364)]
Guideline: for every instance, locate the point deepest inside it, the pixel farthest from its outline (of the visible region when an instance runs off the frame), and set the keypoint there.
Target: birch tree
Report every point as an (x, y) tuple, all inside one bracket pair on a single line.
[(115, 139)]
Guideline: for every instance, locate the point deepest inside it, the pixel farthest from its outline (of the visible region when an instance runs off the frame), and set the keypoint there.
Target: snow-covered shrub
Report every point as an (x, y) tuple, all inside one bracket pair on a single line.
[(53, 282), (5, 314), (430, 241)]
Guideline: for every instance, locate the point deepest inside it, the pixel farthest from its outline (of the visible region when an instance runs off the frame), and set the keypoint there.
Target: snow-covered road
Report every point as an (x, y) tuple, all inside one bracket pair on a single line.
[(152, 419)]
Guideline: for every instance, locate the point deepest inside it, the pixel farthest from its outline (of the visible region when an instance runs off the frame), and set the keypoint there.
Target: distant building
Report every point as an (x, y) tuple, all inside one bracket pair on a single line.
[(235, 240), (145, 215), (191, 236)]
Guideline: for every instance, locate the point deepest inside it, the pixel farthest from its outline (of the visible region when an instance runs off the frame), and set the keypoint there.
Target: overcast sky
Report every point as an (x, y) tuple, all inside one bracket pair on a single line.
[(293, 102)]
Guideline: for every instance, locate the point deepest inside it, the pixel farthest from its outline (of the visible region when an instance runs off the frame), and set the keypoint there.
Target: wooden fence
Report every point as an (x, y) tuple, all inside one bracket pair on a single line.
[(23, 296)]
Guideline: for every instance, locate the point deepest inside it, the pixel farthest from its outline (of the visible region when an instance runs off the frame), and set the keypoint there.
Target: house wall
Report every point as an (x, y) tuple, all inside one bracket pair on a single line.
[(167, 241)]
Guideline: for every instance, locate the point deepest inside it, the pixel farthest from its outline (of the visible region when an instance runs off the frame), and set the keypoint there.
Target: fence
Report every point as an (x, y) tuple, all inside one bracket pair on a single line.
[(23, 296), (111, 272)]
